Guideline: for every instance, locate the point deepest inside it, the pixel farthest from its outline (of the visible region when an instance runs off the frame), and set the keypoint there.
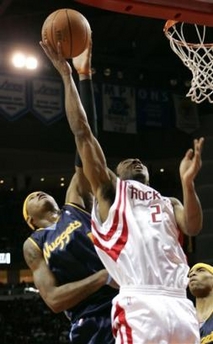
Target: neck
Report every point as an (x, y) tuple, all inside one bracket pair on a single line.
[(204, 307), (141, 180), (50, 218)]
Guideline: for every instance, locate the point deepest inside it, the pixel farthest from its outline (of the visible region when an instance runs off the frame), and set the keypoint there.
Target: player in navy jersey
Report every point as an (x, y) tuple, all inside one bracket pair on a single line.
[(136, 232), (60, 252), (201, 287)]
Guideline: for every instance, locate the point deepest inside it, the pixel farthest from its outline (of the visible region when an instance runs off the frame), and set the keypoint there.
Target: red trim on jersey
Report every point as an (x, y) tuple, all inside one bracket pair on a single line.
[(180, 237), (116, 249), (120, 314)]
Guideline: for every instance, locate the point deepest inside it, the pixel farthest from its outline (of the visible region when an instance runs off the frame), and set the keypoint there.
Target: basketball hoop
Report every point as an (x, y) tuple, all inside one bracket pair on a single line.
[(196, 56)]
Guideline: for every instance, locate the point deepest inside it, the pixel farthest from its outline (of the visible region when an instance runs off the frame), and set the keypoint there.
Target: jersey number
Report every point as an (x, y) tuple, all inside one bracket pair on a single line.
[(156, 213)]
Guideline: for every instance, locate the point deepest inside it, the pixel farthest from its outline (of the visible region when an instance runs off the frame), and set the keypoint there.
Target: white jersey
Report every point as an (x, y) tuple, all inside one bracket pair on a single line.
[(138, 242)]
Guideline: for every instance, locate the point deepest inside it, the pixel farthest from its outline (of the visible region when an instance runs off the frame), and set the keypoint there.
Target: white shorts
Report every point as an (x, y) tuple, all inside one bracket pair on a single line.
[(149, 315)]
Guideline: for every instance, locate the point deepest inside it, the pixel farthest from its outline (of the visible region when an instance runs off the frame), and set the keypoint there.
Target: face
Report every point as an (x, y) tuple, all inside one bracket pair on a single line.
[(38, 204), (200, 282), (133, 169)]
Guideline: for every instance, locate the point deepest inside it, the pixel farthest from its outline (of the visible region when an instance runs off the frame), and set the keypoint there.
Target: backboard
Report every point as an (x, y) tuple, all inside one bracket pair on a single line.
[(190, 11)]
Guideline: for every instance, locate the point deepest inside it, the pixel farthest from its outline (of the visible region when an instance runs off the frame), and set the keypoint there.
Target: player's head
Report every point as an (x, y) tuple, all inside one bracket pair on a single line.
[(201, 280), (133, 169), (36, 206)]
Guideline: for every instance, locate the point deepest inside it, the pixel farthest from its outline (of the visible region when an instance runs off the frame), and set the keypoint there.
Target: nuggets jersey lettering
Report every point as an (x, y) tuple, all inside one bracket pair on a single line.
[(69, 252), (206, 331), (138, 242)]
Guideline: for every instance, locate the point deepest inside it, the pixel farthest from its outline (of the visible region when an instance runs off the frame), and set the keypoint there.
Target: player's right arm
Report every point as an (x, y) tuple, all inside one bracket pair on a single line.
[(59, 298), (101, 179)]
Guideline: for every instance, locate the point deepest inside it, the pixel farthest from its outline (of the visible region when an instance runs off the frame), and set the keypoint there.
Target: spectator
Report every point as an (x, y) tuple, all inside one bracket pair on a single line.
[(201, 287)]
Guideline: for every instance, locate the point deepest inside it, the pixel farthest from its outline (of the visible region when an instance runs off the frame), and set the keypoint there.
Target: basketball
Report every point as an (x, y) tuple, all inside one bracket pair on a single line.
[(70, 28)]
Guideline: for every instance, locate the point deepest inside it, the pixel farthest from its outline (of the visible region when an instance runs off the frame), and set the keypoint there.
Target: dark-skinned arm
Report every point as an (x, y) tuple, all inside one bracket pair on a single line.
[(59, 298)]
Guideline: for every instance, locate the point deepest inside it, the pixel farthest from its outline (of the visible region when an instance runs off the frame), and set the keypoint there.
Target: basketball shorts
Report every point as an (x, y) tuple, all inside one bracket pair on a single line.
[(152, 316)]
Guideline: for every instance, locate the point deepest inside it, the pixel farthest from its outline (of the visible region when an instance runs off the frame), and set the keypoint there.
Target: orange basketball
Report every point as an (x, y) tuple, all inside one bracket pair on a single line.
[(70, 28)]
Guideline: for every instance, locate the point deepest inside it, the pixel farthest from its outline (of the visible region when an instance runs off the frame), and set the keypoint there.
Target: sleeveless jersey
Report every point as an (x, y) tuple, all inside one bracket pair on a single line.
[(138, 243), (206, 331), (70, 254)]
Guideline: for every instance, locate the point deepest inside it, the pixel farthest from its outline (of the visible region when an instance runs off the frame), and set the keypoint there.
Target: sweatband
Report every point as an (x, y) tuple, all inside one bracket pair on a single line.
[(24, 210), (208, 267)]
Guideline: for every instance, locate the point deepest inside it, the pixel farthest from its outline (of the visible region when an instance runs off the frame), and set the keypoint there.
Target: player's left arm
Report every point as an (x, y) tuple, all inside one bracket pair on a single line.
[(61, 297), (79, 190), (189, 215)]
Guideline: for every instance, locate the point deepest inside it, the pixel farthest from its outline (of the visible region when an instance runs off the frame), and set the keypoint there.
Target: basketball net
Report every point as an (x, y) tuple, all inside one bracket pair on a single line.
[(197, 57)]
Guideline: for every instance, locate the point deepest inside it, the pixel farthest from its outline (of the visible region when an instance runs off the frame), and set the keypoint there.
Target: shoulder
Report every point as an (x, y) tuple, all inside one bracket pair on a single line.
[(32, 252), (175, 202), (30, 245)]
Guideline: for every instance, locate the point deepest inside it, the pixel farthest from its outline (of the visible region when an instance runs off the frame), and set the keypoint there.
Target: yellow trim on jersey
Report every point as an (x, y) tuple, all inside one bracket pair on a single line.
[(90, 235), (77, 207), (34, 243), (207, 339)]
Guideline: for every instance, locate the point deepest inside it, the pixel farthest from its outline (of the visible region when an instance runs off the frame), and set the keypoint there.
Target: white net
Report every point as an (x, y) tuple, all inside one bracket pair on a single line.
[(196, 54)]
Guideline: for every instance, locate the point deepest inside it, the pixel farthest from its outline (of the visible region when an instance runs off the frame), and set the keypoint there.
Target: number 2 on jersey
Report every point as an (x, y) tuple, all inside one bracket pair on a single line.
[(156, 213)]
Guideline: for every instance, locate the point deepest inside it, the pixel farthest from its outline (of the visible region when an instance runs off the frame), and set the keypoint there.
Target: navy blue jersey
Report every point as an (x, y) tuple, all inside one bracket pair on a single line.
[(206, 331), (70, 254)]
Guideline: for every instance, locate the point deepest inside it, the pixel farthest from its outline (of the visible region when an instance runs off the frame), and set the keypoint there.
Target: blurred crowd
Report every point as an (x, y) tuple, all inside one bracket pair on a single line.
[(25, 319)]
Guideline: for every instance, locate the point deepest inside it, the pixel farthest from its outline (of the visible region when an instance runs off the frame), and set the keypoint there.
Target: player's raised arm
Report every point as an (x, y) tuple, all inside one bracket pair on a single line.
[(190, 216), (93, 159)]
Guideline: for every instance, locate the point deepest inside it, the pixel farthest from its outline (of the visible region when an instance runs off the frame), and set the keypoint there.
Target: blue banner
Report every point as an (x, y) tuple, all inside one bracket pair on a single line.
[(13, 97)]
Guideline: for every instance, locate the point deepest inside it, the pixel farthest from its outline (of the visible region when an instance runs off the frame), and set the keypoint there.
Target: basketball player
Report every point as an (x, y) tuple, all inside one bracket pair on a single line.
[(66, 268), (136, 233), (201, 287)]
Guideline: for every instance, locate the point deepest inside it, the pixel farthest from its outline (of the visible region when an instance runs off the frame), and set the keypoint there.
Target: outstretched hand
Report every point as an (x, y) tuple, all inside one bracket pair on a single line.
[(192, 162), (57, 59)]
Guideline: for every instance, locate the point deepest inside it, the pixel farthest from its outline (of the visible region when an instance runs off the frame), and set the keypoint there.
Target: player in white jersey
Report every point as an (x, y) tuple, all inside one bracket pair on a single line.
[(138, 244), (141, 226), (136, 233)]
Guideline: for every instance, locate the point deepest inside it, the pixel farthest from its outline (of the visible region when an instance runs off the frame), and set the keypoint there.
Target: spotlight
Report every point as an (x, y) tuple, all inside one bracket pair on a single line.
[(19, 60), (31, 62)]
